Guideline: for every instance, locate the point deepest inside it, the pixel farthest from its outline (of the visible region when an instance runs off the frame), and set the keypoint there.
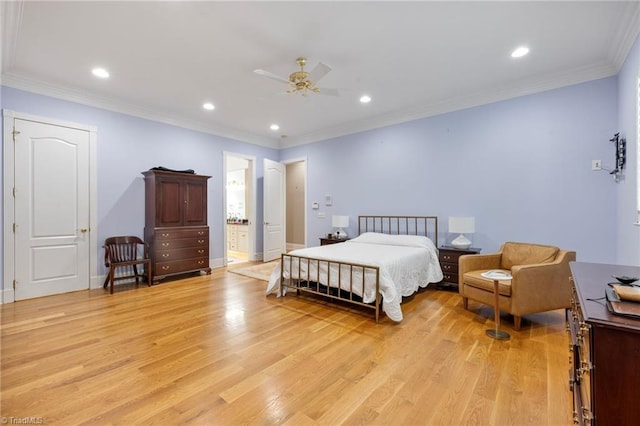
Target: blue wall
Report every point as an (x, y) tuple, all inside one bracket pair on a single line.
[(521, 167), (127, 146), (628, 121)]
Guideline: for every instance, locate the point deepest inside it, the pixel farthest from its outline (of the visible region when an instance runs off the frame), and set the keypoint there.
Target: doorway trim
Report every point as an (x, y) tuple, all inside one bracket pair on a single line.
[(306, 192), (251, 215), (8, 164)]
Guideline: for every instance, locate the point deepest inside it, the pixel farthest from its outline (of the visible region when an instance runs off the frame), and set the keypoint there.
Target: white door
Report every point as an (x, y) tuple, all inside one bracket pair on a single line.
[(273, 235), (51, 209)]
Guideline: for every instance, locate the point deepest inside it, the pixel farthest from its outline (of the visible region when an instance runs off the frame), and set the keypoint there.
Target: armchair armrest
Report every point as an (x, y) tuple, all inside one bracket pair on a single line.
[(474, 262), (542, 286)]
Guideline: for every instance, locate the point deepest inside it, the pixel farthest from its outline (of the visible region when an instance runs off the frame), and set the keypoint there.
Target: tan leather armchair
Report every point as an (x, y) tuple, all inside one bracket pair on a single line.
[(540, 279)]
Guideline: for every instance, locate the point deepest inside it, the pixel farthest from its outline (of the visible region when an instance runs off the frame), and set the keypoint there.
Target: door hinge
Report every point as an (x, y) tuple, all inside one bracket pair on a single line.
[(14, 284), (14, 227), (15, 132), (14, 192)]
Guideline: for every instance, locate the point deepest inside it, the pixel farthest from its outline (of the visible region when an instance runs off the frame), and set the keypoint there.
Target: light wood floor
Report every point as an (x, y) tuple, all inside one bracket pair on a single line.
[(215, 350)]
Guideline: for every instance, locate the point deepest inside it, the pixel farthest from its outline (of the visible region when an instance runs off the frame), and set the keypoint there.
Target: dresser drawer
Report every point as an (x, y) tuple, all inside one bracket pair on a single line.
[(180, 233), (449, 268), (182, 253), (449, 277), (182, 243), (179, 266), (449, 256)]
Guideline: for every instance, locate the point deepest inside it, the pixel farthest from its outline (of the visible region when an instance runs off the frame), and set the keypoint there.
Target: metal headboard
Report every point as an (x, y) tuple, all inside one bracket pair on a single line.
[(400, 225)]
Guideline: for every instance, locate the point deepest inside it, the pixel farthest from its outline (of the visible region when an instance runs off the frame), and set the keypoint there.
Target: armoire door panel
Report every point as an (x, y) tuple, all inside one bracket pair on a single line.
[(169, 203), (195, 212)]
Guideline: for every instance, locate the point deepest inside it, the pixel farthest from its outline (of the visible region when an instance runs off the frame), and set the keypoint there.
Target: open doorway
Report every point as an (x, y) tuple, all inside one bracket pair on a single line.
[(296, 195), (239, 208)]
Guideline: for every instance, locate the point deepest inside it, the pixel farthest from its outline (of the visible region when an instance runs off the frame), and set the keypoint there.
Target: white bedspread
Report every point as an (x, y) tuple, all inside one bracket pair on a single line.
[(406, 264)]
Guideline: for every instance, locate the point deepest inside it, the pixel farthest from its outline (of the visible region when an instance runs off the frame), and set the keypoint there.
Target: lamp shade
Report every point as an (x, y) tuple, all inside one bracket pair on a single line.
[(340, 221), (462, 225)]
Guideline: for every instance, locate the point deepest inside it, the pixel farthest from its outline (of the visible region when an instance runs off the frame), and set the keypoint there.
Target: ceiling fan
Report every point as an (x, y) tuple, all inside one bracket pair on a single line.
[(303, 82)]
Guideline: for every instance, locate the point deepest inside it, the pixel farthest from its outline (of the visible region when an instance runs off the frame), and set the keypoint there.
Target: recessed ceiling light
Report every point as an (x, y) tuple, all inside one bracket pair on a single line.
[(100, 72), (274, 127), (208, 106), (365, 99), (520, 52)]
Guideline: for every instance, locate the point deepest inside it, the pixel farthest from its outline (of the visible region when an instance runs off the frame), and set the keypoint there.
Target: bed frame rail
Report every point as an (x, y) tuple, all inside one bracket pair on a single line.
[(314, 276), (400, 225)]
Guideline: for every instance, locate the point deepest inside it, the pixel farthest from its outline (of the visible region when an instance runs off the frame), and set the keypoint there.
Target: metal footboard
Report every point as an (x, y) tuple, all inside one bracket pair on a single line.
[(331, 279)]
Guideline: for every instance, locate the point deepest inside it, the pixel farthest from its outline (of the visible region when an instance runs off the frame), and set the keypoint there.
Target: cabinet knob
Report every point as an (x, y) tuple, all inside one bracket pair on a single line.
[(200, 241), (165, 244), (200, 251), (446, 257), (165, 268), (165, 255)]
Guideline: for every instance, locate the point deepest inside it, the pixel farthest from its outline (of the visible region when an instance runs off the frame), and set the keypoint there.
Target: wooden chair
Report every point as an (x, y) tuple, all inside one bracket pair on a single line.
[(126, 251)]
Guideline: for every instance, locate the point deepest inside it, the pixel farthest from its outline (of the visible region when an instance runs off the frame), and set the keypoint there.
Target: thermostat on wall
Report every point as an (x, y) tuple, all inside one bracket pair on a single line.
[(315, 206)]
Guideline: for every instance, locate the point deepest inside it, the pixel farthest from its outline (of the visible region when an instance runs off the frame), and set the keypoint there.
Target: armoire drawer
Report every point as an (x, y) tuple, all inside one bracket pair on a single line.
[(181, 243), (181, 233), (179, 266), (181, 253)]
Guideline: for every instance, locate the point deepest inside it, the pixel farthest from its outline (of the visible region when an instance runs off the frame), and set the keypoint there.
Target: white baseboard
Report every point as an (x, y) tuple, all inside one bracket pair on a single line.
[(8, 295), (216, 263), (96, 282), (256, 257)]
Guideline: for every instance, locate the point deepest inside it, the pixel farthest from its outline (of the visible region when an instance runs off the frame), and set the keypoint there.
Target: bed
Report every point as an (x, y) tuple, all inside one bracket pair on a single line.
[(391, 258)]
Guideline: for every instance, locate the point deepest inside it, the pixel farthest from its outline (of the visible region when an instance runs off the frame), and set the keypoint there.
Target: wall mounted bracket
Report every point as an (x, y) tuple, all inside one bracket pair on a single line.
[(621, 155)]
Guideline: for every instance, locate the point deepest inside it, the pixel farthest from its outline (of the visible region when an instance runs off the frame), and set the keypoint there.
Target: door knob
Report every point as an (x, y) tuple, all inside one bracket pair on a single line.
[(84, 230)]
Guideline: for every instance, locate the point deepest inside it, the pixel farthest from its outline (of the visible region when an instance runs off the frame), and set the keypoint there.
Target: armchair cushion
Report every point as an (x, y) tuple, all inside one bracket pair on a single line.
[(475, 279), (526, 254)]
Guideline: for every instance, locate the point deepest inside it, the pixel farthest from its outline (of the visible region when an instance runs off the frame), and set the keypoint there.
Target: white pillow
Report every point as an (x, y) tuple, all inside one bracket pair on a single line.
[(393, 240)]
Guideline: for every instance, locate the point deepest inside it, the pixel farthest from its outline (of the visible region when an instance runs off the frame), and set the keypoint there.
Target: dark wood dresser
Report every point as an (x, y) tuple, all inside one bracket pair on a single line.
[(176, 222), (448, 257), (604, 350)]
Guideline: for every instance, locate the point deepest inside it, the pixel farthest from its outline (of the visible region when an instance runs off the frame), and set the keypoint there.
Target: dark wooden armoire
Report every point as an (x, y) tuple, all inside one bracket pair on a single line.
[(176, 222)]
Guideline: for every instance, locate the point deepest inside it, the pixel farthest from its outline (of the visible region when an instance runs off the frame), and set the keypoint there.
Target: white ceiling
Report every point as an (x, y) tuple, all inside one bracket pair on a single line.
[(415, 59)]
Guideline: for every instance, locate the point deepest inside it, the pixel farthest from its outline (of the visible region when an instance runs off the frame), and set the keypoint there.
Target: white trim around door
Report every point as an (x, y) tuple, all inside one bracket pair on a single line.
[(9, 165)]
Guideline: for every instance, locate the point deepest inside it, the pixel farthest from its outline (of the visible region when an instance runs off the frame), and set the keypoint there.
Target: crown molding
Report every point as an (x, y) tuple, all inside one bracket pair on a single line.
[(538, 84), (11, 19), (115, 105), (626, 35)]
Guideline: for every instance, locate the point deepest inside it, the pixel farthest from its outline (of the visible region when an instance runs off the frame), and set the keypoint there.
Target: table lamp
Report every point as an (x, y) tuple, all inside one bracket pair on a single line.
[(462, 225), (340, 222)]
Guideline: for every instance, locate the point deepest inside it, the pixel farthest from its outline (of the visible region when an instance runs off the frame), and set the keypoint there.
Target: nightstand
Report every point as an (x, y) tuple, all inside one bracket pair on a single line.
[(448, 257), (324, 241)]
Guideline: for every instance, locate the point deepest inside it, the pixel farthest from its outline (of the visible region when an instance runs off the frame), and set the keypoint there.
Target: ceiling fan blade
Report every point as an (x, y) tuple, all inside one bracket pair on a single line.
[(328, 91), (271, 76), (318, 72)]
